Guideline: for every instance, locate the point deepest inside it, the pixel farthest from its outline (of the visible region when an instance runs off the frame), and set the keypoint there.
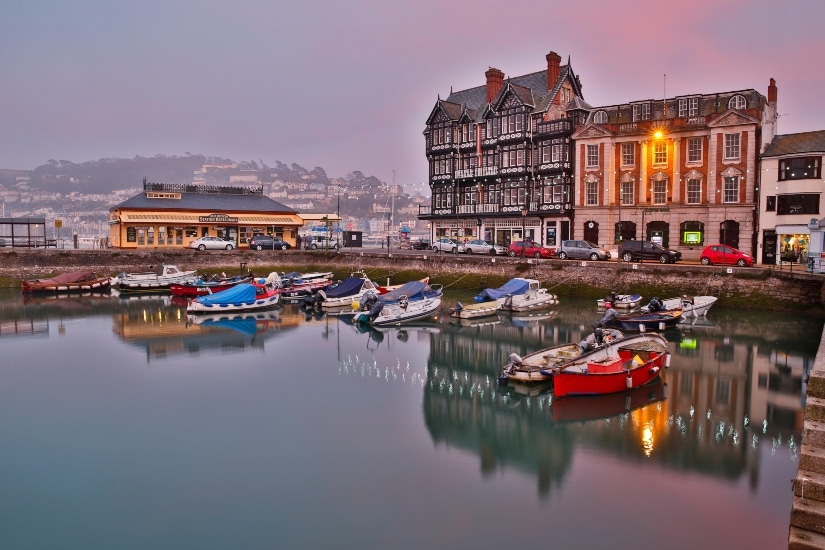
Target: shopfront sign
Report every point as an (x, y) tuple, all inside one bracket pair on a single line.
[(218, 218)]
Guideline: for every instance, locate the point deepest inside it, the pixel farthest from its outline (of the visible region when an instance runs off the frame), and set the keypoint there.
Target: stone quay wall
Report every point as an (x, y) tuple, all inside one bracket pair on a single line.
[(750, 288)]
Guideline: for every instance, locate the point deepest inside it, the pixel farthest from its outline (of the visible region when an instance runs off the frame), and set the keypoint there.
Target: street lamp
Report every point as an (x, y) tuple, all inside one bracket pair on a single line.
[(524, 213)]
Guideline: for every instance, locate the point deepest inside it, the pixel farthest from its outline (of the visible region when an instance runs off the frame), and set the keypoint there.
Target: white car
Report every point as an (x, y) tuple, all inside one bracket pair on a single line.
[(480, 246), (211, 243), (445, 244)]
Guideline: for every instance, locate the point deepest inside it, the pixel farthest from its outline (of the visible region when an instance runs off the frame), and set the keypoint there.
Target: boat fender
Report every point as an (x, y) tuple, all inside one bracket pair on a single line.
[(629, 381), (514, 359), (667, 361), (654, 370), (320, 296)]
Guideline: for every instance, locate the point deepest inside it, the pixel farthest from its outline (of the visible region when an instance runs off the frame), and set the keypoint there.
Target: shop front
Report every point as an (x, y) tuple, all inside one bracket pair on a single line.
[(793, 242)]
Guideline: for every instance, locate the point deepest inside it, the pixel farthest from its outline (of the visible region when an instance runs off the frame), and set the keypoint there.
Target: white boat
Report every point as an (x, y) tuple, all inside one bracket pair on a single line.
[(411, 301), (343, 294), (519, 294), (475, 311), (243, 297), (622, 301), (162, 278), (691, 306)]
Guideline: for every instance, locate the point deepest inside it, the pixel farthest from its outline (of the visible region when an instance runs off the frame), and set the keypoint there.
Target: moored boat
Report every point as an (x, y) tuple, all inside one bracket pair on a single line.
[(519, 294), (343, 294), (159, 280), (476, 310), (411, 301), (296, 285), (262, 294), (73, 281), (658, 320), (626, 363), (537, 366), (200, 287), (621, 301), (691, 306), (605, 406)]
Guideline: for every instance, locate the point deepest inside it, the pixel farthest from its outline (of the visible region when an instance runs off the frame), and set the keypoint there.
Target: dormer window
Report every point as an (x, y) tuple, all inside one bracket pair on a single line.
[(688, 107), (737, 102), (600, 117)]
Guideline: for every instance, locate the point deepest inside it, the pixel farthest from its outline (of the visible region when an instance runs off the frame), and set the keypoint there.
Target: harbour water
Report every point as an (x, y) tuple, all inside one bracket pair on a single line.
[(125, 424)]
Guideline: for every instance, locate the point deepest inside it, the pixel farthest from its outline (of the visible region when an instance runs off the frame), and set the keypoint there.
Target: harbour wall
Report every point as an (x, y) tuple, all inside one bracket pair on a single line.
[(750, 288)]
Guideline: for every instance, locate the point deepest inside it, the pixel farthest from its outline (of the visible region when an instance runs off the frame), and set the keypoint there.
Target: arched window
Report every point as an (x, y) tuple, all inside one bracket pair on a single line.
[(737, 102), (600, 117)]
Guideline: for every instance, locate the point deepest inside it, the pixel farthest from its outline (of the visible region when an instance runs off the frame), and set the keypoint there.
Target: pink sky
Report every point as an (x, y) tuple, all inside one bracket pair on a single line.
[(348, 85)]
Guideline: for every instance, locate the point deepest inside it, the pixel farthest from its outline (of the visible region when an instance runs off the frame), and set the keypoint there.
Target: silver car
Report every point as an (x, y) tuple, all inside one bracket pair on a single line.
[(480, 246), (211, 243), (445, 244), (581, 250)]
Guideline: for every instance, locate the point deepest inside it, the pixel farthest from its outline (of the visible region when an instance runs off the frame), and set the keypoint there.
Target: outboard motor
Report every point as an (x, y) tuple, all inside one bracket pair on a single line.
[(378, 305), (654, 305), (458, 307), (599, 334)]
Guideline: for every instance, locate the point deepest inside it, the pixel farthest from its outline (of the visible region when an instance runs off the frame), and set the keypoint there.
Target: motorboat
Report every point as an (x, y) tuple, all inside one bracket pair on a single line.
[(658, 320), (202, 287), (621, 365), (72, 281), (159, 280), (606, 406), (475, 310), (411, 301), (297, 286), (537, 366), (691, 306), (622, 301), (243, 297), (388, 287), (343, 294), (519, 294)]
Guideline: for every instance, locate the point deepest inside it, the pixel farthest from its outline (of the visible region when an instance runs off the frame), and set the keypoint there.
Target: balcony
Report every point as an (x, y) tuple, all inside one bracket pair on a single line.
[(562, 126)]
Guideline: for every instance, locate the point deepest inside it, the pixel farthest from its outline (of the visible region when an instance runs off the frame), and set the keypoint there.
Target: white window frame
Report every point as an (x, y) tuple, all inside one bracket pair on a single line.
[(660, 191), (694, 152), (591, 193), (730, 189), (592, 156), (627, 193), (737, 102), (732, 147), (693, 193), (628, 154), (660, 152), (600, 117)]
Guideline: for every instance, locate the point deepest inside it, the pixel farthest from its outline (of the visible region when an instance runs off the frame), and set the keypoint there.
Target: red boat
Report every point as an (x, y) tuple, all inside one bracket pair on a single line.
[(606, 406), (202, 288), (623, 364)]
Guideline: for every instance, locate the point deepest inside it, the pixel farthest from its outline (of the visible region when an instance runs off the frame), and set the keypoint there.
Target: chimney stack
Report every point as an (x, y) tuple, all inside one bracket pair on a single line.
[(553, 70), (772, 91), (495, 80)]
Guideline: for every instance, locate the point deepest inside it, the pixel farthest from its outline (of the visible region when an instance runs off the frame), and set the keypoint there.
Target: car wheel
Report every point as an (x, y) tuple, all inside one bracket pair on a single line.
[(453, 250), (705, 260), (512, 253), (335, 247), (201, 247), (435, 249), (229, 247), (258, 247), (492, 252), (284, 247), (594, 257), (537, 255), (562, 255), (468, 250), (314, 247), (741, 263), (663, 259), (627, 256)]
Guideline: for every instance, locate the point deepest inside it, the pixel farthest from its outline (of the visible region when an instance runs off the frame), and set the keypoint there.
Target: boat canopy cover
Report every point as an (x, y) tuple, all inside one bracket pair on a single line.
[(348, 287), (238, 294), (512, 287), (245, 325), (414, 290), (66, 278)]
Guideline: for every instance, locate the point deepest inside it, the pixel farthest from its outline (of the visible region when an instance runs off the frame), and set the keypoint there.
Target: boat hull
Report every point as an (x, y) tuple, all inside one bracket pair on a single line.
[(193, 290), (100, 283), (395, 315), (476, 311)]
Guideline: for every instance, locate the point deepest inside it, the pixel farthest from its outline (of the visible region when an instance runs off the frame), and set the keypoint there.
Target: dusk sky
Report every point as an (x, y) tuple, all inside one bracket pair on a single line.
[(348, 85)]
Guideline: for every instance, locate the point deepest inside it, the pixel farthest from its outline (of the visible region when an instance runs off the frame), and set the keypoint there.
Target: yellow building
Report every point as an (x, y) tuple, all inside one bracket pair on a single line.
[(172, 215)]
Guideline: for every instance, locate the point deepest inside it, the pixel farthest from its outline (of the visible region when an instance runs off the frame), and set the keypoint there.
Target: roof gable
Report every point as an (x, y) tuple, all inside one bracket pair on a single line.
[(732, 117)]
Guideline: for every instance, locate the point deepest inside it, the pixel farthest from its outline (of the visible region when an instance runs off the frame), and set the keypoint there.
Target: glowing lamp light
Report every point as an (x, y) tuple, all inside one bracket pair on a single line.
[(658, 134)]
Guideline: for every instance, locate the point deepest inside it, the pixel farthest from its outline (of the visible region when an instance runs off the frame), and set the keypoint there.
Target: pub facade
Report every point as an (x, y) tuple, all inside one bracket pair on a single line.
[(169, 215)]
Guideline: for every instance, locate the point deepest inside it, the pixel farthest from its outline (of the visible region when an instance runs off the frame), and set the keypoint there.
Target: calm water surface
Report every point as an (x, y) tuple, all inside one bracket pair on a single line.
[(126, 426)]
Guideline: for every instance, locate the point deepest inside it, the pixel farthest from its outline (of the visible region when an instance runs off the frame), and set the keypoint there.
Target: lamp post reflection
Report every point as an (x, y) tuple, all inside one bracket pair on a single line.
[(524, 213)]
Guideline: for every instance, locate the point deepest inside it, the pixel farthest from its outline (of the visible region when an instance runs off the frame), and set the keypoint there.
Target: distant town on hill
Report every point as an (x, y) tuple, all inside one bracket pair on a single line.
[(80, 195)]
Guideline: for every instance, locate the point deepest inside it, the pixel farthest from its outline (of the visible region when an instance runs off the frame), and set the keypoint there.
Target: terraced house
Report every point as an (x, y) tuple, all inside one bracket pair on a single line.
[(528, 157)]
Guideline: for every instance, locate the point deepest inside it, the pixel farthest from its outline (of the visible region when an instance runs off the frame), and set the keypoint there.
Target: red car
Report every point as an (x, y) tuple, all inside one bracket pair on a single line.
[(724, 254), (531, 250)]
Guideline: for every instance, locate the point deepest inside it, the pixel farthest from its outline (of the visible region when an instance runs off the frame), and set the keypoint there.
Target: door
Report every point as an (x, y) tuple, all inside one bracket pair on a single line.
[(769, 247)]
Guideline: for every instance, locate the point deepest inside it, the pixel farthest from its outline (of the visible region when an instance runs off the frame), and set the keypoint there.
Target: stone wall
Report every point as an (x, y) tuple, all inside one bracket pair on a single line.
[(755, 288)]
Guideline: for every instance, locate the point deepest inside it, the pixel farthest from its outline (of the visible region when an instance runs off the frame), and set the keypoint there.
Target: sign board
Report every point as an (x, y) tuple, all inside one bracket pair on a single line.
[(218, 218), (58, 223)]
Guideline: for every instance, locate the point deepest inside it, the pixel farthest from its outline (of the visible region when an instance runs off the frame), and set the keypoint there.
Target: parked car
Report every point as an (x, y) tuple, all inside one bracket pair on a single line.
[(445, 244), (582, 250), (421, 244), (211, 243), (531, 250), (724, 254), (324, 243), (480, 246), (260, 242), (637, 251)]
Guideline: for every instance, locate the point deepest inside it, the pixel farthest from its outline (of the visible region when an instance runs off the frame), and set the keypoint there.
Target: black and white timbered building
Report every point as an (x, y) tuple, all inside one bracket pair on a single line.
[(500, 156)]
